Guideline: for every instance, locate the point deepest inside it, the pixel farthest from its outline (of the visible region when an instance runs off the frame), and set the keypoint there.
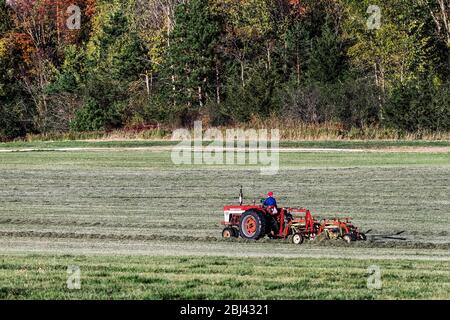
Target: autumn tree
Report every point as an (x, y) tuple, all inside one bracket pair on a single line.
[(15, 113)]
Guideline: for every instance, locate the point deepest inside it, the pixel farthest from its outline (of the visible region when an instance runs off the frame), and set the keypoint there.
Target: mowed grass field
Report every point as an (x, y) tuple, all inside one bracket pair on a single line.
[(157, 277), (139, 226)]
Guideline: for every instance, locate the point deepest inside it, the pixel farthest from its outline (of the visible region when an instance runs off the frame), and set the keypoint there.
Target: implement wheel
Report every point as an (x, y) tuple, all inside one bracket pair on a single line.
[(252, 225), (347, 238), (297, 238)]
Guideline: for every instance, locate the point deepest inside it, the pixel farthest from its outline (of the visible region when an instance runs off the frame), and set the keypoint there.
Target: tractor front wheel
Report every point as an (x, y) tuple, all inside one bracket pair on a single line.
[(252, 225), (229, 232)]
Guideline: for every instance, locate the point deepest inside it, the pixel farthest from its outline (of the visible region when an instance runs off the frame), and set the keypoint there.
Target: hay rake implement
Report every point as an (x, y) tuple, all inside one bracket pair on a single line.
[(254, 222)]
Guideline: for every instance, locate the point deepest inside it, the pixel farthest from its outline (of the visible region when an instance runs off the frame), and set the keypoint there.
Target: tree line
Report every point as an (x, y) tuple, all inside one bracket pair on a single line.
[(129, 63)]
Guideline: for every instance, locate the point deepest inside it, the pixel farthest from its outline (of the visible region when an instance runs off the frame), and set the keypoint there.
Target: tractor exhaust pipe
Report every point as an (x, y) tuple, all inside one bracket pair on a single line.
[(241, 197)]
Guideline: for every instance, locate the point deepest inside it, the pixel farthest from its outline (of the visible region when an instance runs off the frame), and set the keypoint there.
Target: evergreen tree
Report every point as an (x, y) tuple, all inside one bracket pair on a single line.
[(326, 61), (419, 105), (115, 58), (191, 64)]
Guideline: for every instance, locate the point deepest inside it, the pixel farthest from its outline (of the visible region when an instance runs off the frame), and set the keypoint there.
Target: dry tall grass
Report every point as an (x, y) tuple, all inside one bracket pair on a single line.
[(289, 131)]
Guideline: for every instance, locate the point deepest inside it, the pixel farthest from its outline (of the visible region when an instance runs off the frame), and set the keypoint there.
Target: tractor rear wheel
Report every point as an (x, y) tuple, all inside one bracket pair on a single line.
[(252, 225)]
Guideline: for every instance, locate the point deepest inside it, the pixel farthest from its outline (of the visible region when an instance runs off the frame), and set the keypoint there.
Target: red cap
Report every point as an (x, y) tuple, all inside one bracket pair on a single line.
[(270, 194)]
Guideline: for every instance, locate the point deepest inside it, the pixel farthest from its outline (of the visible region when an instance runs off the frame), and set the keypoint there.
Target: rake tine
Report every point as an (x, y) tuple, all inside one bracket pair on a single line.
[(393, 238)]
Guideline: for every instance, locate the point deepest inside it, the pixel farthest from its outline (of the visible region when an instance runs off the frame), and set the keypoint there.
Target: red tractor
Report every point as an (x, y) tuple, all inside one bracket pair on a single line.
[(254, 222)]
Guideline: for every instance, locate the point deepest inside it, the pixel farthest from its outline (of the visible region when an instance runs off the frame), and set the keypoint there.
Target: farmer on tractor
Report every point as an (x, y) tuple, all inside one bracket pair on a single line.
[(271, 205), (270, 201)]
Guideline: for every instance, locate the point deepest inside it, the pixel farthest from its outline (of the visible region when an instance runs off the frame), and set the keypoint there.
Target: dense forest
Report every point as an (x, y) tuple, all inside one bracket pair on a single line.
[(85, 65)]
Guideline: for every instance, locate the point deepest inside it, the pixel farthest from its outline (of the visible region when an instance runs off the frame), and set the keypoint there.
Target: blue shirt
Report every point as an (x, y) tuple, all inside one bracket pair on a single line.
[(270, 201)]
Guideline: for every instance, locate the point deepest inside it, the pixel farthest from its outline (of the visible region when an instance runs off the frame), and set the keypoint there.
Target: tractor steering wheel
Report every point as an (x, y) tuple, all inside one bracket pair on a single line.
[(272, 210)]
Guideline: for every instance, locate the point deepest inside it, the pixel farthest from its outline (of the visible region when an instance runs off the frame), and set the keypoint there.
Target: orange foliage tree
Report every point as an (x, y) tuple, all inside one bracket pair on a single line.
[(41, 34)]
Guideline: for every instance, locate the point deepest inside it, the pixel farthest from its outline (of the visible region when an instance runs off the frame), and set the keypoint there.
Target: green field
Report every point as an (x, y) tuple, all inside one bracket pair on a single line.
[(335, 144), (131, 277), (140, 227)]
